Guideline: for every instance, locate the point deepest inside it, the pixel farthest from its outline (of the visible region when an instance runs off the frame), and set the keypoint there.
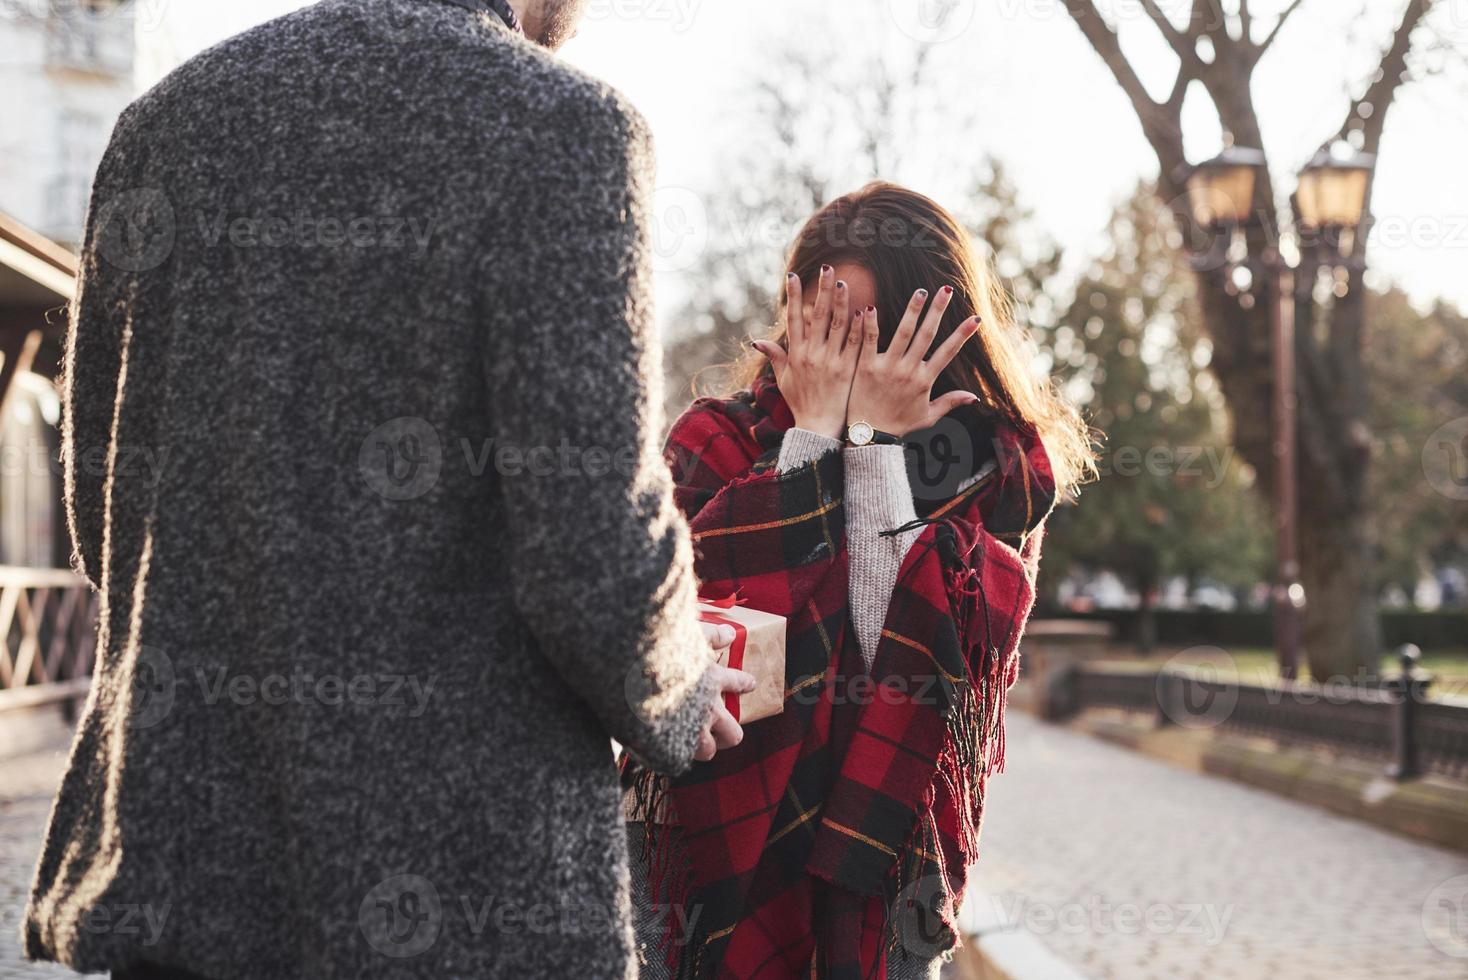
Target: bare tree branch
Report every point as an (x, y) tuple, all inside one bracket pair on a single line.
[(1184, 44), (1388, 79), (1263, 46), (1159, 124)]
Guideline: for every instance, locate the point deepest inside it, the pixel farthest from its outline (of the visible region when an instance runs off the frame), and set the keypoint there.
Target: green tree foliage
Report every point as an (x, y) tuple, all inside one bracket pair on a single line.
[(1174, 498)]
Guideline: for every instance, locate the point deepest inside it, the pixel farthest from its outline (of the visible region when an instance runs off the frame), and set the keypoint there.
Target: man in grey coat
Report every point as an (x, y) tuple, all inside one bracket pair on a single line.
[(361, 455)]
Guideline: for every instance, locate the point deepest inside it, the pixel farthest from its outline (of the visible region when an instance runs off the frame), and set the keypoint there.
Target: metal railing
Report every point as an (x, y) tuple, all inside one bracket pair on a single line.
[(47, 635), (1395, 722)]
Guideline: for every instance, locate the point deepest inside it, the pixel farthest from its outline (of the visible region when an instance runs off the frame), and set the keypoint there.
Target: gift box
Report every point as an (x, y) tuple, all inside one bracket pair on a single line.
[(758, 649)]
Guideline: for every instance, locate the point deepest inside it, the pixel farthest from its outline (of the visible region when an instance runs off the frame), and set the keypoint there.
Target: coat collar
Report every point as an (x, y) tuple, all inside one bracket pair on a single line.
[(499, 8)]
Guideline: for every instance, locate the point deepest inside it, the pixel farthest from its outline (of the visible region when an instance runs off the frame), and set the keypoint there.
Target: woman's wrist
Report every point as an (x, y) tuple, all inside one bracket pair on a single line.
[(830, 428)]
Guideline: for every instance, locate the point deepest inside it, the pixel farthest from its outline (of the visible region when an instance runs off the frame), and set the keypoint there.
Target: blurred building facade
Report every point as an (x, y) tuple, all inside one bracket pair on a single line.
[(67, 72)]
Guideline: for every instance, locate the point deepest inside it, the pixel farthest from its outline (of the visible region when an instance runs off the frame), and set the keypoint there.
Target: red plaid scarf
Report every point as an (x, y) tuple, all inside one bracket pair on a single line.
[(841, 831)]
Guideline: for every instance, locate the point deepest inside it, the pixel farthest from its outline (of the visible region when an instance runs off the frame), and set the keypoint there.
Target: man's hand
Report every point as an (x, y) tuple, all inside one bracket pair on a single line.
[(722, 731)]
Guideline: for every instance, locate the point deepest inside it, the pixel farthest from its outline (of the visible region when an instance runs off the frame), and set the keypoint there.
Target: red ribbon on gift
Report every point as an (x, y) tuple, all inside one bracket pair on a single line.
[(736, 649)]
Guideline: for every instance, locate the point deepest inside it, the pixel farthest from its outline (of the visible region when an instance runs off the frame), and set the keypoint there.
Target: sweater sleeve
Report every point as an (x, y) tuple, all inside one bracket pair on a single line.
[(878, 498), (95, 346), (601, 560)]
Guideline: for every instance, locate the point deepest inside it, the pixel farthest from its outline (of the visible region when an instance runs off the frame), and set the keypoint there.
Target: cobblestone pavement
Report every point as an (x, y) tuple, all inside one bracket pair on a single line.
[(27, 784), (1129, 868), (1125, 867)]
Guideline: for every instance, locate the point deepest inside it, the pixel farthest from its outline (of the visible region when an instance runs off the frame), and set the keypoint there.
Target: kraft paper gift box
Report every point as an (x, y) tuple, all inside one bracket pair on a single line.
[(758, 649)]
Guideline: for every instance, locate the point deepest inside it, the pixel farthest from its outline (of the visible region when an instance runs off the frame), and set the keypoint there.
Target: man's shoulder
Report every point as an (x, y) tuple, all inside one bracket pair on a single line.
[(479, 76)]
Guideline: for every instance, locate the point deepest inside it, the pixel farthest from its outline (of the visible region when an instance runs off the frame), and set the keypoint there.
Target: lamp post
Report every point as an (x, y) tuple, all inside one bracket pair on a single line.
[(1331, 197)]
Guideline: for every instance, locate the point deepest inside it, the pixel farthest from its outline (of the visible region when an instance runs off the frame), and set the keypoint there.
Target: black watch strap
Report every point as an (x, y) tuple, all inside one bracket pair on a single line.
[(880, 438)]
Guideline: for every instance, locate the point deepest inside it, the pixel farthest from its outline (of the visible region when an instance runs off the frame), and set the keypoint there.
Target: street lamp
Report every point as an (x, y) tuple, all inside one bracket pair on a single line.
[(1333, 190), (1221, 190), (1331, 195)]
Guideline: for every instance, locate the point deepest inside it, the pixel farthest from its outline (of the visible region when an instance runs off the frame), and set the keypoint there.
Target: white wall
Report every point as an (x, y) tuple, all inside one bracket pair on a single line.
[(66, 72)]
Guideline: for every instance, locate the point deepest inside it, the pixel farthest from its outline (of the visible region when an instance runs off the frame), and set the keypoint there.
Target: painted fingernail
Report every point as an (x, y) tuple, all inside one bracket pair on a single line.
[(923, 293), (840, 284), (871, 309), (947, 290), (826, 270)]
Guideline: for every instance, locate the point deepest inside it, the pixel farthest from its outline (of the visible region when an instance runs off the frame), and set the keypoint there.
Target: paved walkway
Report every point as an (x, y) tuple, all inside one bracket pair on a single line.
[(1129, 868), (1123, 866), (27, 784)]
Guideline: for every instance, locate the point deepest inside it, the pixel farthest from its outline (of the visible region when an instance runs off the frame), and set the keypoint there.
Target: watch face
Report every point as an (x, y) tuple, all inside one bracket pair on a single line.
[(860, 433)]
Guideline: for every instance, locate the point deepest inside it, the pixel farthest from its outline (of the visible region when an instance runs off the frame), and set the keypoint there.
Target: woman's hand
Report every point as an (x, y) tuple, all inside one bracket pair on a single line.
[(892, 390), (815, 372)]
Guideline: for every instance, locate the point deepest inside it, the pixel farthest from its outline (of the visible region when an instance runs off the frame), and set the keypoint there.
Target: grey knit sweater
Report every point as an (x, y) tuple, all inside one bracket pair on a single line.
[(370, 284), (878, 499)]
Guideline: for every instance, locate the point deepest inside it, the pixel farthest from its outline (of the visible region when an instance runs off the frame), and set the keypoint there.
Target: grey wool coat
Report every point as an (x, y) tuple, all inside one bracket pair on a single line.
[(361, 454)]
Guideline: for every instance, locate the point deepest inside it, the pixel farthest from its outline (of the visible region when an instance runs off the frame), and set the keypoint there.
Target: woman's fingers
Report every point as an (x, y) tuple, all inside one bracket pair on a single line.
[(840, 318), (775, 354), (871, 334), (903, 337), (854, 338), (924, 337), (794, 310), (820, 322), (950, 347), (944, 404)]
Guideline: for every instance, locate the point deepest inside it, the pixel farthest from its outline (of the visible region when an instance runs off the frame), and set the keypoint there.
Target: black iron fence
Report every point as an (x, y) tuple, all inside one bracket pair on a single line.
[(1395, 722)]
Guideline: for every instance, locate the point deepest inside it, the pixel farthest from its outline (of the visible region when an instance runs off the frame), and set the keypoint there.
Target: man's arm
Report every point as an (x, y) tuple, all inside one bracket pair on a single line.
[(95, 344), (602, 562)]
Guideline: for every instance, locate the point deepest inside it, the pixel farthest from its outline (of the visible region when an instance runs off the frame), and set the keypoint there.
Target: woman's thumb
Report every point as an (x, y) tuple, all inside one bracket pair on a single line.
[(773, 351), (946, 403)]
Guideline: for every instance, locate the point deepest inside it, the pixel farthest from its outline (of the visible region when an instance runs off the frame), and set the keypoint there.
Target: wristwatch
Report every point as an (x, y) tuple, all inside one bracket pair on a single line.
[(862, 434)]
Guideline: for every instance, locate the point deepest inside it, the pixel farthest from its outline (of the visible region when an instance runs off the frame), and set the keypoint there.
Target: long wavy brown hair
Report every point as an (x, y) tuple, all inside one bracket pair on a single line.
[(909, 242)]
